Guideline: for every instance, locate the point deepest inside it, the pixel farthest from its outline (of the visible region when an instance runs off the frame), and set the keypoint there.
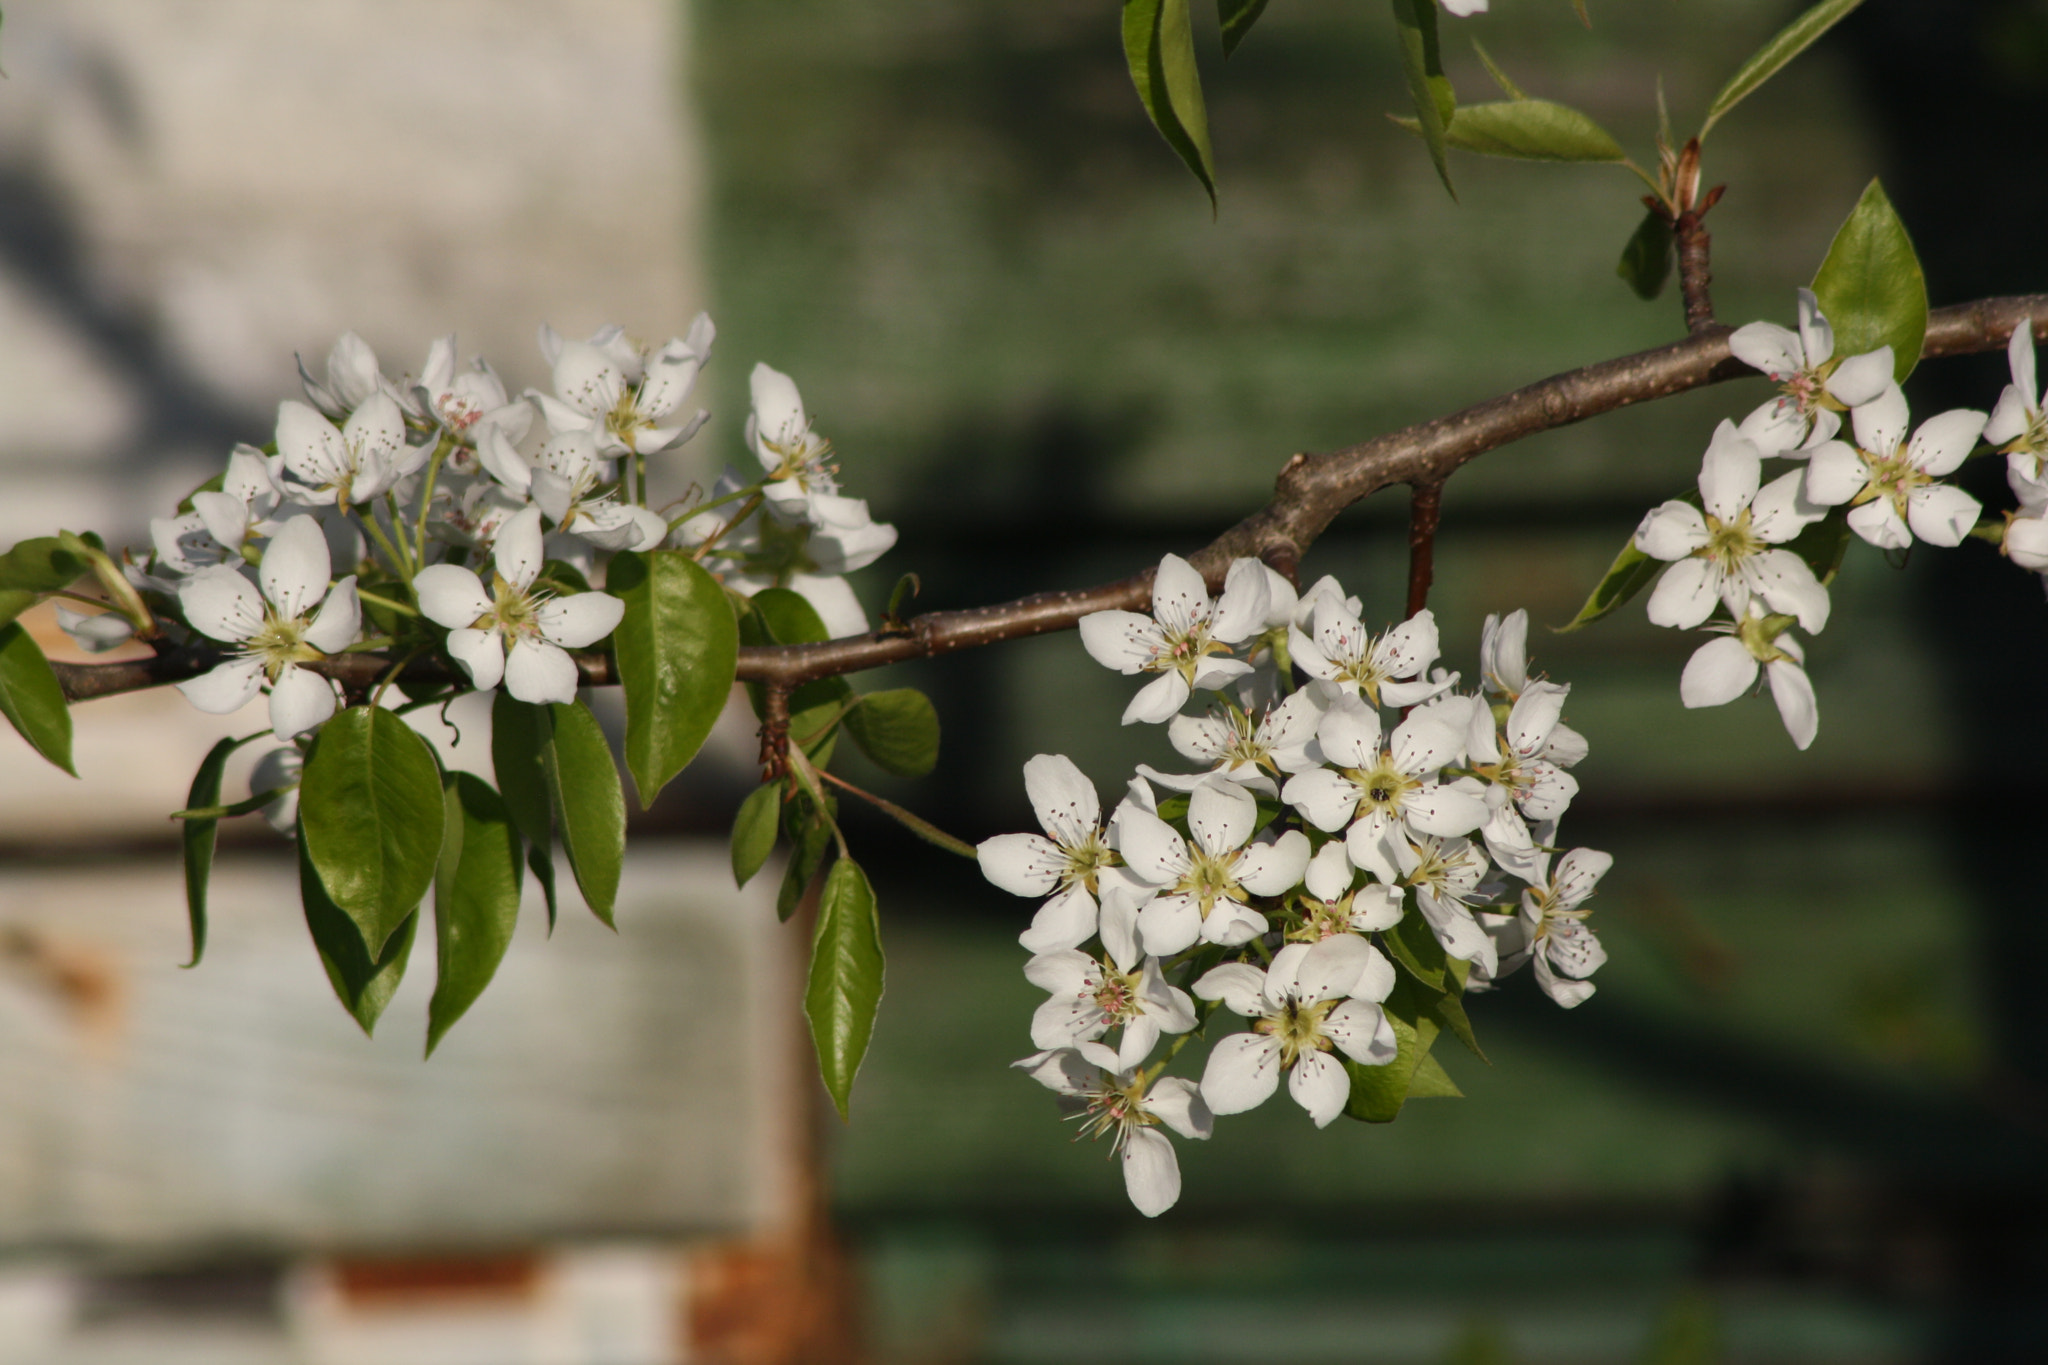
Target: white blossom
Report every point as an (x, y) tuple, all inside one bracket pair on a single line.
[(1723, 669), (1388, 669), (1812, 391), (294, 620), (95, 634), (1130, 1108), (1381, 795), (352, 376), (2017, 424), (511, 633), (1071, 863), (1892, 483), (1723, 550), (626, 401), (1250, 750), (1201, 890), (1180, 640), (1090, 996), (342, 467), (1314, 1000)]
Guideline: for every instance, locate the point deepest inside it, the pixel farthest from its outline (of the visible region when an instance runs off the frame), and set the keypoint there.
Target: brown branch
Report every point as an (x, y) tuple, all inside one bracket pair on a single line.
[(1695, 270), (1425, 510), (1309, 493)]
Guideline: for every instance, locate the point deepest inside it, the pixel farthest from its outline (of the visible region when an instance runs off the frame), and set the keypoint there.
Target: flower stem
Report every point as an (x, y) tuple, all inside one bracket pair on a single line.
[(386, 602), (922, 828), (442, 449), (746, 510)]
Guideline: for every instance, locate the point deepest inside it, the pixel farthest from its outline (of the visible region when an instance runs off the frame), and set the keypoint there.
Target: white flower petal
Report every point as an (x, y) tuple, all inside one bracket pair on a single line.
[(1269, 869), (1719, 671), (1242, 1073), (226, 688), (1671, 531), (1320, 1085), (1835, 473), (219, 602), (1169, 924), (578, 620), (1880, 424), (1151, 1172), (1158, 700), (1768, 347), (1786, 583), (1362, 1031), (1879, 523), (1177, 1102), (1797, 706), (1328, 875), (1327, 799), (481, 653), (1180, 599), (537, 671), (1685, 595), (1941, 514), (1862, 378), (1246, 603), (295, 567), (517, 551), (1945, 440), (339, 621), (1021, 864), (450, 595), (300, 700), (1729, 473), (1221, 816), (1122, 640)]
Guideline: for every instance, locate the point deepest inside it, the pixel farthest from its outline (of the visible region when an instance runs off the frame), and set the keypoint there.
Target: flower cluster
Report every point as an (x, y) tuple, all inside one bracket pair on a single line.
[(1321, 842), (1750, 559), (464, 520)]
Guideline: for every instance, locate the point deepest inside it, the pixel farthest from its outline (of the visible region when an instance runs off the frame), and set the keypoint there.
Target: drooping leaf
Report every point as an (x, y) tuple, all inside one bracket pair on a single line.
[(1378, 1092), (1159, 45), (1527, 130), (1449, 1012), (42, 564), (809, 837), (1432, 1082), (677, 647), (31, 697), (1823, 544), (1629, 574), (476, 899), (898, 729), (1870, 285), (1769, 59), (845, 986), (1500, 77), (198, 836), (589, 803), (1645, 262), (1428, 87), (1237, 17), (364, 983), (1414, 946), (371, 816), (753, 831), (520, 734)]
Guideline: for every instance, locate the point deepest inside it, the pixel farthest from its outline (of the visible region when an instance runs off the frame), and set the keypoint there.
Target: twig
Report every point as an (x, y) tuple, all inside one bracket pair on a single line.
[(1425, 509), (1310, 492)]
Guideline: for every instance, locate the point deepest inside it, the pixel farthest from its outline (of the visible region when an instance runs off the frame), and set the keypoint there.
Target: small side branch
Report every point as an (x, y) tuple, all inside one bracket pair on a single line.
[(1425, 510), (774, 732), (1695, 263)]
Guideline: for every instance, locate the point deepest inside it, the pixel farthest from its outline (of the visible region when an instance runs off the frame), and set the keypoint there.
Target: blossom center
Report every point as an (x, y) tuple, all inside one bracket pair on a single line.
[(280, 642), (1117, 995), (1113, 1108), (1210, 879), (1892, 476), (1298, 1028), (1730, 542), (514, 611), (1382, 786)]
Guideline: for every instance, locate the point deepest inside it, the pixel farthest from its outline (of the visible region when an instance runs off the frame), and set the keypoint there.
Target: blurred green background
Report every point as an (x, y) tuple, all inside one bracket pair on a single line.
[(1808, 1088)]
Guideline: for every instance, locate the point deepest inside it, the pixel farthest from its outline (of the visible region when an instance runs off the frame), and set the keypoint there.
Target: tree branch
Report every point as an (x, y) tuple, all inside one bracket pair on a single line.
[(1309, 493)]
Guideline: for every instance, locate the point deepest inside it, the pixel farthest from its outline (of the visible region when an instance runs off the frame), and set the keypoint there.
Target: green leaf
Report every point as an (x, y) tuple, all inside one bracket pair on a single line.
[(1449, 1012), (1413, 946), (1500, 77), (1628, 575), (364, 984), (1528, 130), (42, 565), (476, 899), (1790, 41), (1432, 1082), (1422, 63), (753, 831), (780, 616), (845, 986), (15, 601), (1237, 17), (198, 838), (809, 838), (1870, 285), (520, 733), (898, 729), (1159, 45), (1378, 1092), (677, 647), (1823, 544), (1645, 262), (32, 698), (371, 816), (589, 804)]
